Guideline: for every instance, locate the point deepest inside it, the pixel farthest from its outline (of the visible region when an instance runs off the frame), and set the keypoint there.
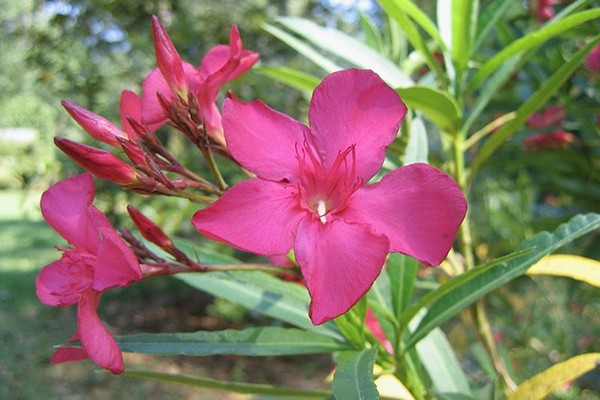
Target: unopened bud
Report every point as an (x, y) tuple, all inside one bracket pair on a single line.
[(149, 229), (168, 59), (99, 163), (98, 127)]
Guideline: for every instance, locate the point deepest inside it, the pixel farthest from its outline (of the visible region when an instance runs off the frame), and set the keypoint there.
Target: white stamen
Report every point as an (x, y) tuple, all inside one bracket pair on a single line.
[(322, 210)]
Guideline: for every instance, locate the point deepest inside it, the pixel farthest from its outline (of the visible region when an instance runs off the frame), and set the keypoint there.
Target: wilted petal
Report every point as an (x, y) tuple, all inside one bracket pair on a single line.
[(65, 208), (115, 263), (263, 140), (418, 207), (355, 107), (96, 339), (255, 215), (339, 262)]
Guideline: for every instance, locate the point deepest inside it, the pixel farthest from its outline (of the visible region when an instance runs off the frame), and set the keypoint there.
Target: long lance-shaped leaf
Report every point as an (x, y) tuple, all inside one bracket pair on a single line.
[(353, 378), (396, 7), (292, 77), (262, 341), (455, 295), (575, 267), (301, 47), (489, 16), (347, 48), (531, 40), (439, 107), (537, 100), (414, 37), (457, 20), (557, 375), (261, 293), (236, 387)]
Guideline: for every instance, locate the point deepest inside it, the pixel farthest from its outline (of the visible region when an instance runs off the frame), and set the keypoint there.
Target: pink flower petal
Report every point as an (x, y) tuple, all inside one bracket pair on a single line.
[(97, 341), (255, 215), (152, 113), (130, 106), (418, 207), (263, 140), (355, 107), (339, 262), (115, 265), (65, 208), (66, 354), (62, 282)]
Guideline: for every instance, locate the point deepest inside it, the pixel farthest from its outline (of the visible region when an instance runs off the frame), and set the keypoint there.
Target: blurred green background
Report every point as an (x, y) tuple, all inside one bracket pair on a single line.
[(88, 51)]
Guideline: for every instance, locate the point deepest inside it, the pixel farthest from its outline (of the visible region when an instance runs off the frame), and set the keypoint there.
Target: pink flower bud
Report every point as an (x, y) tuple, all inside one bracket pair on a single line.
[(98, 127), (100, 163), (149, 229), (134, 152), (168, 59)]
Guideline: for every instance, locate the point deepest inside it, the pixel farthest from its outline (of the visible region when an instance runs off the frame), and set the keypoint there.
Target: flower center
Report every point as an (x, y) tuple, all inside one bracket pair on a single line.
[(325, 189)]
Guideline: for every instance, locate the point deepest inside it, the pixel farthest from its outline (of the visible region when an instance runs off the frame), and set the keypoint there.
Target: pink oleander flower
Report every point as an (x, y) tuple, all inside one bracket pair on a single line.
[(311, 192), (551, 115), (221, 64), (97, 261), (549, 140), (592, 62), (544, 9)]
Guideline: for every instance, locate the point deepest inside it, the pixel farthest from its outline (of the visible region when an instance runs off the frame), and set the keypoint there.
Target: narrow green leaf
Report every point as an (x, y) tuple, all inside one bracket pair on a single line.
[(353, 378), (489, 17), (228, 386), (437, 106), (458, 293), (456, 22), (531, 40), (417, 147), (373, 37), (544, 383), (537, 100), (302, 48), (292, 77), (490, 89), (347, 48), (261, 293), (396, 7), (414, 37), (442, 366), (402, 271), (264, 341)]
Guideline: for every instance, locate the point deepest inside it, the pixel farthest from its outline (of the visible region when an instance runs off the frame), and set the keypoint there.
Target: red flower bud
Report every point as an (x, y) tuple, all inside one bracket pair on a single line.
[(134, 152), (98, 127), (168, 59), (149, 229), (100, 163)]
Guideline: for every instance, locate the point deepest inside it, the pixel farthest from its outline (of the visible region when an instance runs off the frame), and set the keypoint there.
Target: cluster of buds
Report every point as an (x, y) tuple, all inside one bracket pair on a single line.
[(552, 136), (175, 93)]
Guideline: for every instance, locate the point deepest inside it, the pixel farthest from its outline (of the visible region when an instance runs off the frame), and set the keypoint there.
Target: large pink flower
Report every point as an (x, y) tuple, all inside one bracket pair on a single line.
[(99, 260), (311, 195), (221, 64)]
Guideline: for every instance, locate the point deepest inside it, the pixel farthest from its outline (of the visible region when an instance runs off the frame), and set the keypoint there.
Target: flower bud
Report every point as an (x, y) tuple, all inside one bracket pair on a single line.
[(130, 107), (98, 127), (99, 163), (149, 229), (168, 59)]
